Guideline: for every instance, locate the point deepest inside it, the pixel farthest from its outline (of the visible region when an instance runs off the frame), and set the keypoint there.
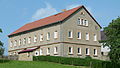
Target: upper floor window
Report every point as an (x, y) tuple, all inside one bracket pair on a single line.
[(95, 37), (15, 44), (48, 36), (87, 51), (82, 13), (95, 51), (55, 34), (85, 23), (24, 41), (87, 36), (70, 50), (70, 34), (82, 22), (55, 50), (35, 38), (41, 37), (11, 43), (79, 35), (79, 50), (20, 42), (48, 51), (29, 40)]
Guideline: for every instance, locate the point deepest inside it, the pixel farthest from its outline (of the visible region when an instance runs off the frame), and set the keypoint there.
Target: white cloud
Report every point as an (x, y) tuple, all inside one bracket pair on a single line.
[(44, 12), (72, 6)]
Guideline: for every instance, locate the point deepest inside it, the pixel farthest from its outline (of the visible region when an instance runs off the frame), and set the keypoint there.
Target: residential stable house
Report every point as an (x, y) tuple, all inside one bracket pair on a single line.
[(71, 33)]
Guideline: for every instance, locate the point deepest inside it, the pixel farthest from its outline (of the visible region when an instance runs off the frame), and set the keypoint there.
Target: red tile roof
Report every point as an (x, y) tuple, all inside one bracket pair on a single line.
[(28, 50), (45, 21)]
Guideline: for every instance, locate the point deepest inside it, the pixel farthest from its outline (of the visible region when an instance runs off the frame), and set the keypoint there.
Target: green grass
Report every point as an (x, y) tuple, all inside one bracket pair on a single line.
[(35, 64)]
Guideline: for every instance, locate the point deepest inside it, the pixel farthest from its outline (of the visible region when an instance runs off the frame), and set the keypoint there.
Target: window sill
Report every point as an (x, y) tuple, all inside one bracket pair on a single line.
[(70, 54), (79, 38), (70, 37), (79, 54), (95, 55), (55, 53), (87, 55), (48, 54)]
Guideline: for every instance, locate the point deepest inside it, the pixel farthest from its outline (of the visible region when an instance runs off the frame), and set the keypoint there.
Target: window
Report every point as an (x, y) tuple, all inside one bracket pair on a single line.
[(55, 34), (87, 51), (87, 36), (70, 50), (82, 21), (41, 51), (70, 34), (48, 36), (24, 41), (19, 41), (41, 37), (29, 40), (95, 51), (79, 50), (82, 13), (79, 35), (48, 51), (36, 53), (11, 43), (35, 38), (79, 21), (95, 37), (15, 44), (55, 50)]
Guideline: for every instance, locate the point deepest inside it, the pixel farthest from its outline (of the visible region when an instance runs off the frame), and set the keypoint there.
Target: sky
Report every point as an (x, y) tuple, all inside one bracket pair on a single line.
[(16, 13)]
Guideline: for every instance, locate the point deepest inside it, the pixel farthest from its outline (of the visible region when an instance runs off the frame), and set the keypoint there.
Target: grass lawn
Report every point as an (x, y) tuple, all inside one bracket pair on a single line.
[(35, 64)]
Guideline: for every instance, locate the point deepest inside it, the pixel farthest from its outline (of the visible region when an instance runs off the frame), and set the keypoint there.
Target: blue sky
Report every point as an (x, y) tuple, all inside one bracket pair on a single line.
[(16, 13)]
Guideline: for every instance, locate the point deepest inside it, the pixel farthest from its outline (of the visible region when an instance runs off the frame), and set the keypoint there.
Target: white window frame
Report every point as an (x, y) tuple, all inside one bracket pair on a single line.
[(70, 34), (95, 37), (55, 34), (41, 37), (48, 51), (70, 50), (87, 36), (48, 36), (41, 51), (88, 51), (35, 38), (86, 23), (79, 50), (36, 53), (55, 50), (29, 40), (15, 43), (79, 21), (79, 35), (19, 42), (24, 41)]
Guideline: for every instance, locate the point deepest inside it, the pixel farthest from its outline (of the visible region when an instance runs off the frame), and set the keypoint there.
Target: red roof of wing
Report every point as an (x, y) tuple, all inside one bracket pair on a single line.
[(45, 21), (28, 50)]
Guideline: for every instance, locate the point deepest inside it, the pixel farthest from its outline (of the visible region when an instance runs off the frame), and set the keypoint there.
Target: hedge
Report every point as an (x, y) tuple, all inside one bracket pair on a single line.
[(93, 63), (65, 60), (3, 60)]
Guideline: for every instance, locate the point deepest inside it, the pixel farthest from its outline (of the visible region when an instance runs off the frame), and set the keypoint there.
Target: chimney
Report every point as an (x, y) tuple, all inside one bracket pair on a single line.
[(63, 10)]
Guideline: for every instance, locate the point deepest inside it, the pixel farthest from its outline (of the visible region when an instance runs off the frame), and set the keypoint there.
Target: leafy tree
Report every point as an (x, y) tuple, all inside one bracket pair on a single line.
[(1, 45), (112, 33)]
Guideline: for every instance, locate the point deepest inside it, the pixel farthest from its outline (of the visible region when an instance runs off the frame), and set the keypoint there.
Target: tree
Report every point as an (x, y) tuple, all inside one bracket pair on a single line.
[(112, 33), (1, 46)]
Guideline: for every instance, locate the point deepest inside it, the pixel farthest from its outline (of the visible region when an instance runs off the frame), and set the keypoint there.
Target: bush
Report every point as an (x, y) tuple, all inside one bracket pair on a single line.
[(3, 60), (88, 61)]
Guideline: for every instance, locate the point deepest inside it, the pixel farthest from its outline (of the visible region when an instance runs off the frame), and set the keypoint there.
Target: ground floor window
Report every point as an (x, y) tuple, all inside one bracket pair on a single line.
[(36, 53), (87, 51), (95, 51), (70, 50)]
